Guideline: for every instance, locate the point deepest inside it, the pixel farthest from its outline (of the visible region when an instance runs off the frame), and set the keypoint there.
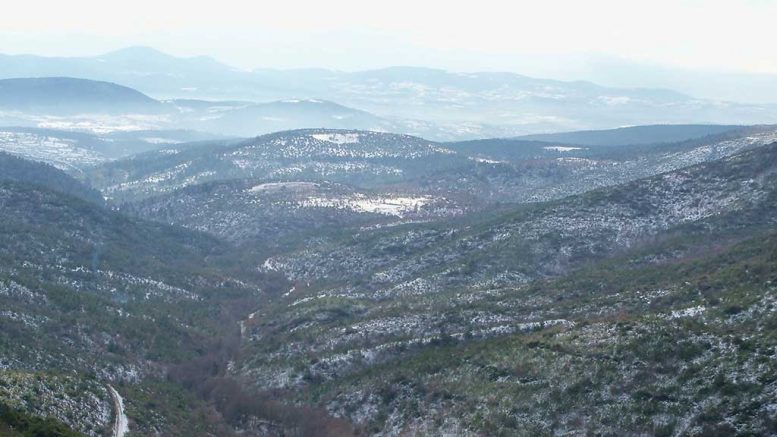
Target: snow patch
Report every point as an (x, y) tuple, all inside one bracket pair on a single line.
[(562, 148), (159, 140), (688, 312), (337, 138), (394, 206), (486, 161), (275, 186)]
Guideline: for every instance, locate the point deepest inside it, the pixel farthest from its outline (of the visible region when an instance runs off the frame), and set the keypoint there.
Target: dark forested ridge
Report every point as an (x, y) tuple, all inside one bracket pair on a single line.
[(72, 95), (149, 307), (17, 169), (633, 135)]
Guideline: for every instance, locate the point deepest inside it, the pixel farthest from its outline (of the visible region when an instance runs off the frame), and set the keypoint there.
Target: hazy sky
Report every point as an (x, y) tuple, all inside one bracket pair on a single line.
[(351, 34)]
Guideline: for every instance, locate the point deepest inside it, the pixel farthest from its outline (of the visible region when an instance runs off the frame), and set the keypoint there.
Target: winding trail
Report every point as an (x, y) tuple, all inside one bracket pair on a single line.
[(120, 422)]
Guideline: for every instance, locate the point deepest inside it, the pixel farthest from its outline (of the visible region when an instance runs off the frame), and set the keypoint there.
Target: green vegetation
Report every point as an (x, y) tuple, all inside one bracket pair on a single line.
[(17, 423), (21, 170), (674, 335), (647, 308), (634, 362)]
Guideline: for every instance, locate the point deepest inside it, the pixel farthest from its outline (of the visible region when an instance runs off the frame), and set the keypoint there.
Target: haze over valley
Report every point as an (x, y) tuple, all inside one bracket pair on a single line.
[(147, 89)]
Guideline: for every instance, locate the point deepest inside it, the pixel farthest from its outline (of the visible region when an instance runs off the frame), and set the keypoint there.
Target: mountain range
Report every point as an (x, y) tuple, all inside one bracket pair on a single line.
[(344, 282), (433, 103), (188, 249)]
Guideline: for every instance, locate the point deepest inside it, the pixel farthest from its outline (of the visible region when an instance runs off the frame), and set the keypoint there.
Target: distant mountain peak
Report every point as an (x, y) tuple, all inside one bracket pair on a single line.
[(136, 50)]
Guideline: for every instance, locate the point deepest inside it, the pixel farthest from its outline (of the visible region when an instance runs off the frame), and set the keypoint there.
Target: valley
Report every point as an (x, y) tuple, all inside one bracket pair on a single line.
[(332, 282), (193, 249)]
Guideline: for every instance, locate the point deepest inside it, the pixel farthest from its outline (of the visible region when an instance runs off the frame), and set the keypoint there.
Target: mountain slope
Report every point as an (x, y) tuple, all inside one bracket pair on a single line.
[(680, 346), (645, 307), (486, 170), (652, 313), (353, 157), (74, 151), (531, 171), (59, 244), (65, 95), (271, 213), (15, 423), (292, 207), (20, 170), (251, 119), (91, 297), (545, 239)]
